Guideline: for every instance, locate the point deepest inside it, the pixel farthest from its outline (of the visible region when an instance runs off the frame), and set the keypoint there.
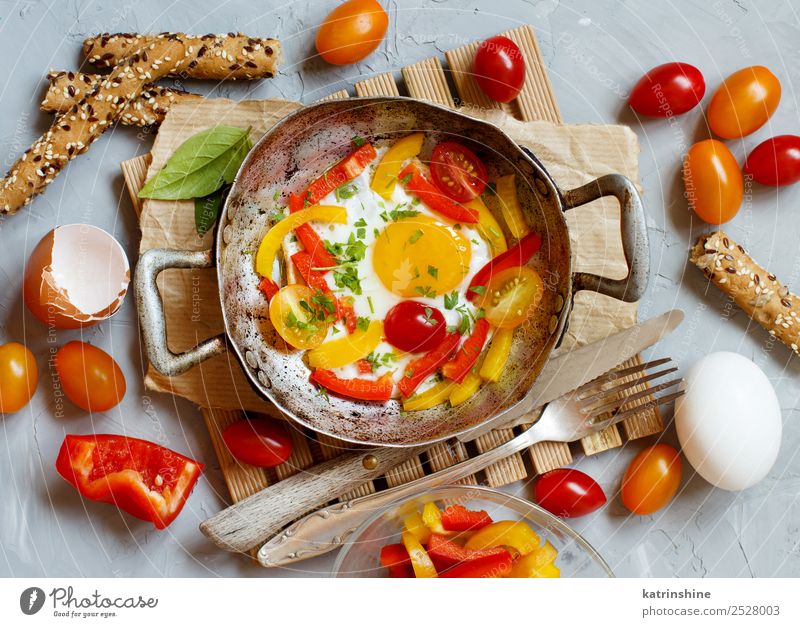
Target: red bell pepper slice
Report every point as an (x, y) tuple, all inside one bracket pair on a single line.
[(142, 478), (344, 171), (346, 312), (305, 266), (445, 553), (420, 369), (268, 287), (309, 239), (468, 354), (459, 518), (414, 181), (395, 558), (517, 255), (360, 389), (495, 565)]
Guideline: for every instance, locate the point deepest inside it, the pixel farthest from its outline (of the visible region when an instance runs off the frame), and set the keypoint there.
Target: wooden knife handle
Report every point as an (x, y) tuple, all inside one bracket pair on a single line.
[(251, 521)]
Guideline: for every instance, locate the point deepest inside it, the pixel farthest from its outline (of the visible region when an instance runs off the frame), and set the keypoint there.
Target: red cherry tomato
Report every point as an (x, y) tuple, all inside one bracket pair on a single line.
[(414, 327), (458, 171), (499, 68), (258, 442), (89, 376), (744, 102), (351, 31), (652, 479), (667, 90), (775, 161), (568, 493), (713, 181)]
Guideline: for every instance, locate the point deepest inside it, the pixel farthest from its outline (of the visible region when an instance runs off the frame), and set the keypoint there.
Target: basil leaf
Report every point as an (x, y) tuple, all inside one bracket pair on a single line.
[(206, 211), (201, 165)]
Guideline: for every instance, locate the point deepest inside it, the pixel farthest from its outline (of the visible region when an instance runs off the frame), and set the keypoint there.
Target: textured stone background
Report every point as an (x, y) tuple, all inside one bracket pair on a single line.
[(595, 50)]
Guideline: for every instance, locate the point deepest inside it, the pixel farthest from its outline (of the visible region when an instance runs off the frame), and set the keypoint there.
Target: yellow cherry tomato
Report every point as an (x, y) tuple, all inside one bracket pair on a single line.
[(744, 102), (385, 178), (511, 297), (18, 377), (302, 316), (351, 31), (713, 181)]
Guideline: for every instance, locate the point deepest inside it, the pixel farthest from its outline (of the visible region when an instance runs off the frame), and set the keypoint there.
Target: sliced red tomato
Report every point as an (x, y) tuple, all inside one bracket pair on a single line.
[(667, 90), (468, 354), (144, 479), (394, 557), (360, 389), (459, 518), (569, 493), (494, 565), (413, 327), (420, 369), (457, 171), (517, 255), (268, 287), (499, 68), (412, 179), (259, 442), (775, 161), (446, 553)]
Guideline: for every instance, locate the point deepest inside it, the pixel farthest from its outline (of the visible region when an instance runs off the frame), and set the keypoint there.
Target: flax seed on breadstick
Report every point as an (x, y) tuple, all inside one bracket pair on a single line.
[(754, 289), (219, 57), (68, 88), (74, 131)]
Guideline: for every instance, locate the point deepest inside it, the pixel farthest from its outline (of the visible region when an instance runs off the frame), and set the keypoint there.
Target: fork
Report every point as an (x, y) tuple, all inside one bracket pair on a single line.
[(592, 407)]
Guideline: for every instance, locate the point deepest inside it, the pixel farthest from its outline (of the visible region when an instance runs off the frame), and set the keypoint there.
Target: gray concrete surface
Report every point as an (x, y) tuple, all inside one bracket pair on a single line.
[(595, 51)]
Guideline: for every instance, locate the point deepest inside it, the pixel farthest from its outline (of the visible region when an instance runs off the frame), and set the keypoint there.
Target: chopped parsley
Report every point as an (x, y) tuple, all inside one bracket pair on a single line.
[(478, 289), (321, 391), (426, 290), (362, 323), (451, 300), (415, 236), (371, 307), (358, 141), (429, 319), (433, 271), (348, 190), (348, 277), (405, 180), (377, 360)]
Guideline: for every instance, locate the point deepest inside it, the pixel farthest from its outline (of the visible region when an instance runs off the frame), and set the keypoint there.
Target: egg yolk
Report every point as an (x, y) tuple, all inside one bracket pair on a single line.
[(421, 256)]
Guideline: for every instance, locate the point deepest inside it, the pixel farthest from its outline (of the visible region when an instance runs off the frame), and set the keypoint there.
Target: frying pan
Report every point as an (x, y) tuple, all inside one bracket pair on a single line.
[(286, 159)]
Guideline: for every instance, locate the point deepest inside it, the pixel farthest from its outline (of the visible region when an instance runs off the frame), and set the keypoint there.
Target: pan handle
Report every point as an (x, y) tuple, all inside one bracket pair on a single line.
[(634, 237), (151, 311)]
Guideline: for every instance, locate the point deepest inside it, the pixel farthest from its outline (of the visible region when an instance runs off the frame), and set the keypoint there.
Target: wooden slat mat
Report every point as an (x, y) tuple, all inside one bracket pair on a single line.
[(428, 80)]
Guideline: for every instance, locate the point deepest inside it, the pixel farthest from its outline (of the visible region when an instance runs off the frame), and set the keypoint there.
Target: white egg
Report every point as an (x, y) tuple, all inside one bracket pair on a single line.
[(729, 421)]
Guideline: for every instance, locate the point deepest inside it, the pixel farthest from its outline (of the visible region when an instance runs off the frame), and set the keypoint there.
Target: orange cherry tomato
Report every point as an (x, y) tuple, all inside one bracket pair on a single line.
[(351, 31), (18, 377), (511, 297), (713, 181), (652, 479), (89, 376), (744, 102)]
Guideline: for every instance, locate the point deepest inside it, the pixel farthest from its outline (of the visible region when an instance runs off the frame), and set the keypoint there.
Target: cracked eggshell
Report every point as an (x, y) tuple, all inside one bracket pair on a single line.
[(76, 276), (728, 421)]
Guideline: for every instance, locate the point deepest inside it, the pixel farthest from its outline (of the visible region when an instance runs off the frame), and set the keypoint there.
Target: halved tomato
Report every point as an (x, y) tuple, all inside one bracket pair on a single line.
[(301, 316), (511, 297), (457, 171)]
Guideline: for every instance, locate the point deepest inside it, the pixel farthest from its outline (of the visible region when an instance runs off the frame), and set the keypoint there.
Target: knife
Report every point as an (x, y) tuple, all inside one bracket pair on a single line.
[(302, 540)]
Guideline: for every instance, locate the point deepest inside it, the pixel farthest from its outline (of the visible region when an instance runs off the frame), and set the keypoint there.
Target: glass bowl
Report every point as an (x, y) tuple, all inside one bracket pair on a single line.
[(360, 556)]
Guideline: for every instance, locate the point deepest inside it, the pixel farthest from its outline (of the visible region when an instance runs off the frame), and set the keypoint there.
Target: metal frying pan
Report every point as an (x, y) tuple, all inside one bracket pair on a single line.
[(286, 159)]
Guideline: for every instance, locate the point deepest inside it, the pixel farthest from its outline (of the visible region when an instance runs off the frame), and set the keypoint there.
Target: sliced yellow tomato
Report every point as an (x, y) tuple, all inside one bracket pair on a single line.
[(421, 562), (509, 206), (348, 349), (385, 177), (516, 534), (302, 316), (512, 296), (416, 526), (431, 397), (497, 355), (531, 564), (488, 226), (466, 389), (265, 258)]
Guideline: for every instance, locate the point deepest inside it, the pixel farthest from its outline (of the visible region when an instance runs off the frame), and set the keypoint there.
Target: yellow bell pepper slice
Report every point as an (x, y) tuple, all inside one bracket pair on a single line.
[(421, 562), (497, 355), (431, 397), (348, 349), (417, 527), (515, 534), (466, 389), (488, 226), (532, 565), (509, 206), (265, 258), (432, 517), (385, 177), (548, 571)]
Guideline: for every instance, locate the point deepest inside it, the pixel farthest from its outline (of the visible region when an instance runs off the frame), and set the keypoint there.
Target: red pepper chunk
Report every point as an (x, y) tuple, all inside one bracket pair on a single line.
[(346, 313), (468, 354), (445, 553), (360, 389), (144, 479), (459, 518), (394, 557), (420, 369), (496, 565), (268, 287), (309, 239), (517, 255), (414, 181), (364, 367)]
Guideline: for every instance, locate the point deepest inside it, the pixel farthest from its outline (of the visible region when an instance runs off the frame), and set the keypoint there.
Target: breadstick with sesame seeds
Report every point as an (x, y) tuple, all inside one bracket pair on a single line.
[(755, 290), (219, 57), (74, 131), (67, 89)]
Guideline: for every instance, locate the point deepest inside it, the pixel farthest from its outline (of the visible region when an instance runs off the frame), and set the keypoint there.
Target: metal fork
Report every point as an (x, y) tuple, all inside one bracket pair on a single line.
[(592, 407)]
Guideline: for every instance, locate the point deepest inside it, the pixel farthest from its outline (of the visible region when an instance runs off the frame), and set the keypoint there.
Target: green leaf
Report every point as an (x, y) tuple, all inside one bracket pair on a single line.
[(201, 165), (206, 211)]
